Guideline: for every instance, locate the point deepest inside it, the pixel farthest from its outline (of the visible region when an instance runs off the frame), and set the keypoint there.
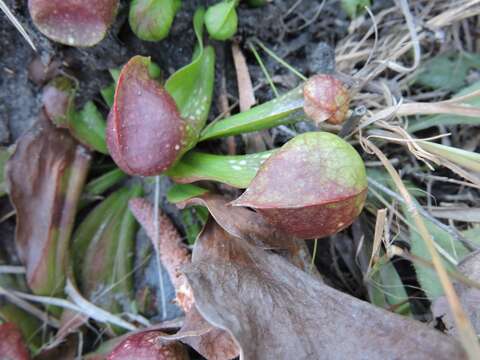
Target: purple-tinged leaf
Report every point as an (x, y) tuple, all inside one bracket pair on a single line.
[(145, 133), (45, 177), (313, 186), (73, 22)]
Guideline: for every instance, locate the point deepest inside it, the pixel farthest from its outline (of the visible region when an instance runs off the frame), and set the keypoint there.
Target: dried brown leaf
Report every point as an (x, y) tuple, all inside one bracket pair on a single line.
[(244, 82), (276, 311), (252, 227)]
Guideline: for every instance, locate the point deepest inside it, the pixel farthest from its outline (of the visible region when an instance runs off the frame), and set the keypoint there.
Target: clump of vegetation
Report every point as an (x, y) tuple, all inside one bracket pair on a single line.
[(331, 181)]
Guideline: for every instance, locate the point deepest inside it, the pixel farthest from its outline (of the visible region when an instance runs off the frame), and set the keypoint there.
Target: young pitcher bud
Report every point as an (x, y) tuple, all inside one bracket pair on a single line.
[(326, 99), (151, 20)]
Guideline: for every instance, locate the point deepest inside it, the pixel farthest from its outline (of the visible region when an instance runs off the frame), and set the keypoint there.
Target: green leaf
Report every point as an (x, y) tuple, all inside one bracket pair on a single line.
[(192, 86), (354, 7), (181, 192), (4, 156), (99, 185), (58, 100), (151, 20), (387, 282), (447, 120), (450, 249), (102, 183), (221, 20), (236, 170), (447, 71), (286, 109), (448, 246), (108, 94), (88, 127), (473, 234), (257, 3), (103, 249), (194, 219)]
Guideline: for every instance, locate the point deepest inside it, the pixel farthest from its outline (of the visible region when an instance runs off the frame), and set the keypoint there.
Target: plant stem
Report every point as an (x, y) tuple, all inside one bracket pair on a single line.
[(234, 170), (264, 69), (286, 109)]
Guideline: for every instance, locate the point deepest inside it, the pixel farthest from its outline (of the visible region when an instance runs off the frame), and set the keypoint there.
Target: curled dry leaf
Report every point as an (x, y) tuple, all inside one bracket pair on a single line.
[(45, 176), (148, 346), (212, 343), (276, 311), (73, 22), (252, 227), (326, 98), (145, 133), (313, 186), (12, 345), (241, 222), (469, 296)]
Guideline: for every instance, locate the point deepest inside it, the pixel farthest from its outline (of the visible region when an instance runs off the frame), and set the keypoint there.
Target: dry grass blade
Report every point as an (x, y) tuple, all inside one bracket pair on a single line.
[(14, 298), (12, 269), (466, 331), (419, 108), (84, 306), (455, 13), (463, 163), (17, 24), (245, 87), (377, 238)]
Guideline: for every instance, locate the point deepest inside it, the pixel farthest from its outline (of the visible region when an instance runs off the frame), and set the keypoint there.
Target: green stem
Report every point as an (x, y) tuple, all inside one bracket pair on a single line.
[(280, 60), (264, 69), (286, 109), (237, 170)]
